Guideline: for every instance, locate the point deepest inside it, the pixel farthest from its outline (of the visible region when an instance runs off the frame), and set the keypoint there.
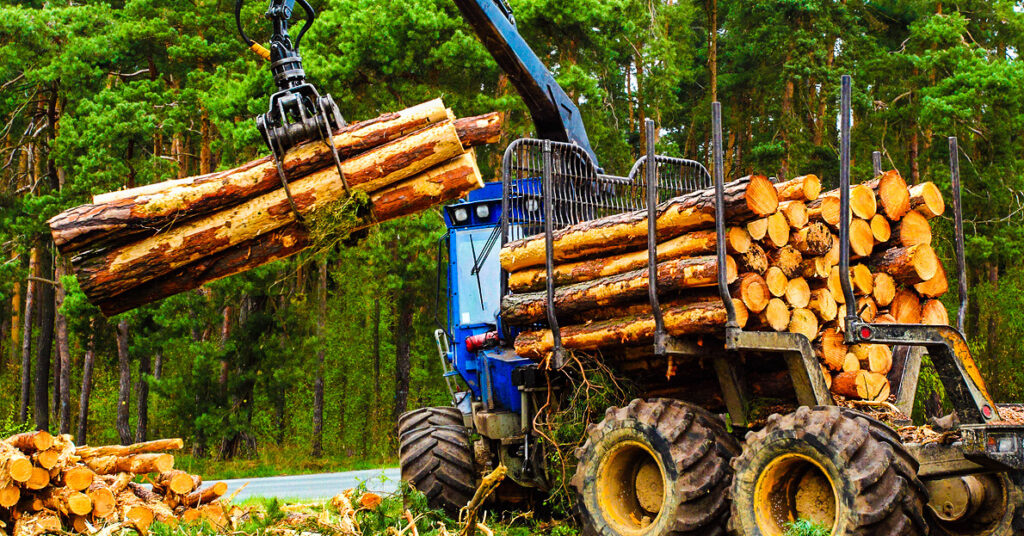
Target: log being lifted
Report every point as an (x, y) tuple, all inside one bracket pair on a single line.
[(688, 272), (122, 216), (701, 317), (701, 242), (111, 273), (440, 184), (745, 199)]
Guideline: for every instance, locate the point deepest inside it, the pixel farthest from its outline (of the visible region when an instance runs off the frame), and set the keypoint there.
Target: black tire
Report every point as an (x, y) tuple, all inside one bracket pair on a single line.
[(828, 465), (424, 417), (438, 461), (1002, 514), (616, 483)]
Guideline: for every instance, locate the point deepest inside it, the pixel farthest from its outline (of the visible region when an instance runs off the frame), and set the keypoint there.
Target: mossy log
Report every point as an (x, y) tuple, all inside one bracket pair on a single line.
[(745, 199)]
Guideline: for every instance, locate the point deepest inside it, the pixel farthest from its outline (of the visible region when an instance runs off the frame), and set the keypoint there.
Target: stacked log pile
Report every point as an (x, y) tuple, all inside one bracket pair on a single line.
[(47, 484), (135, 246), (782, 268)]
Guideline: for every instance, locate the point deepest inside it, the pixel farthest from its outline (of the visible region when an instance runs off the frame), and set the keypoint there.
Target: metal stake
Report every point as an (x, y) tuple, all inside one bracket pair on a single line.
[(719, 171), (558, 353), (652, 240), (844, 203)]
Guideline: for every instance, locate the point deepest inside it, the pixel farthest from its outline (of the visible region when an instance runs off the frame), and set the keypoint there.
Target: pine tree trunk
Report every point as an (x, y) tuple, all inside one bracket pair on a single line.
[(124, 383), (64, 351), (86, 391), (142, 395), (318, 384), (403, 363), (26, 336), (44, 346)]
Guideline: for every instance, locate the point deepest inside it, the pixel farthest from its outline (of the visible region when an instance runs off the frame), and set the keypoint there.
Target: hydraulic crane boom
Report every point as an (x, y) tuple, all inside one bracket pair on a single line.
[(554, 114)]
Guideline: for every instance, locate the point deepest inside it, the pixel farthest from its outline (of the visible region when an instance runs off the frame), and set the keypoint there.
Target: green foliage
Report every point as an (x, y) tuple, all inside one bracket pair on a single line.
[(804, 527)]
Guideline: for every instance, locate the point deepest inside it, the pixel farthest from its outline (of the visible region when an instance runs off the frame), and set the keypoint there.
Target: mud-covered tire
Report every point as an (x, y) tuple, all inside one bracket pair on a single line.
[(1004, 518), (850, 470), (424, 417), (438, 461), (689, 446)]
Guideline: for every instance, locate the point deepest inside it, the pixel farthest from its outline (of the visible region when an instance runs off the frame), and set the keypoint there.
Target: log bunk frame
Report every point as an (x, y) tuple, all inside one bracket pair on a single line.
[(550, 185)]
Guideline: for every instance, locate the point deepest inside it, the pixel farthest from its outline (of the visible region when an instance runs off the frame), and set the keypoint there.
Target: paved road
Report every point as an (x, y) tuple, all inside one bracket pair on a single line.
[(318, 486)]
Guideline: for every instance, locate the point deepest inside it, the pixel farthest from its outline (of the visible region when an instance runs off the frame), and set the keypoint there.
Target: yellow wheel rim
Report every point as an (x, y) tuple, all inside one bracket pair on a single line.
[(794, 486), (631, 487)]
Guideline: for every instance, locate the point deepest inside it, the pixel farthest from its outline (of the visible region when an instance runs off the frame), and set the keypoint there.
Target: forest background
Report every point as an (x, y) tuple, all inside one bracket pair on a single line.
[(305, 364)]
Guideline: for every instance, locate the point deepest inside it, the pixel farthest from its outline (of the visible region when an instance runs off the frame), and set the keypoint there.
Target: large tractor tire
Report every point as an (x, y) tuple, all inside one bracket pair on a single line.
[(995, 506), (653, 468), (438, 461), (830, 466), (425, 417)]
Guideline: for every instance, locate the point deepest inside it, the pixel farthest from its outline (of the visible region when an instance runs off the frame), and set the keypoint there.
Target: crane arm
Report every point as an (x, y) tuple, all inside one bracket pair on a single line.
[(554, 114)]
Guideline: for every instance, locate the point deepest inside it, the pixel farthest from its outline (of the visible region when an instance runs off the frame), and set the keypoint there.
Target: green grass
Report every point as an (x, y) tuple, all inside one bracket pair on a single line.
[(274, 461), (803, 527)]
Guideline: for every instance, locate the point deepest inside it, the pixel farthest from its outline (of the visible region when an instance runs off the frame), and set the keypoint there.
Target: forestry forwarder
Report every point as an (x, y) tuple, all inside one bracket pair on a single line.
[(667, 465)]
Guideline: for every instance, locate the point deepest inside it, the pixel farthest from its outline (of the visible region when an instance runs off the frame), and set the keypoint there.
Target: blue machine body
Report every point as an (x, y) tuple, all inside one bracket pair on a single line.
[(474, 298)]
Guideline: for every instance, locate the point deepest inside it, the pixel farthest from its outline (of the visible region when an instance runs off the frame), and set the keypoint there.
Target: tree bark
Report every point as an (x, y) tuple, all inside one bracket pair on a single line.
[(124, 382), (142, 395), (802, 188), (926, 199), (438, 185), (64, 353), (813, 240), (26, 336), (912, 230), (86, 391), (403, 362), (745, 199), (893, 195), (44, 346), (318, 384), (688, 272), (908, 265)]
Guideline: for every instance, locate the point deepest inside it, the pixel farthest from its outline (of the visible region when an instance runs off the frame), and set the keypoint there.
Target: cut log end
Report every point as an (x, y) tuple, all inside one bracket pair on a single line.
[(753, 291), (926, 199), (775, 316), (804, 322), (776, 281)]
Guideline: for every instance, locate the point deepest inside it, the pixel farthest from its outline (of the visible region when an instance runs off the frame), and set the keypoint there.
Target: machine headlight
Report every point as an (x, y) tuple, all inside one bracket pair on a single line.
[(461, 215), (483, 212)]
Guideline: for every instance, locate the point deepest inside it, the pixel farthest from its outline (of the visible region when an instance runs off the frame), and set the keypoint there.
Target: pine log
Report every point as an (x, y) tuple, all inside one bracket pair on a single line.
[(776, 281), (873, 357), (687, 272), (823, 304), (103, 502), (67, 501), (815, 268), (698, 318), (832, 257), (812, 240), (754, 260), (883, 289), (937, 285), (862, 385), (884, 317), (78, 477), (778, 230), (135, 464), (787, 259), (776, 316), (46, 459), (641, 307), (860, 278), (40, 479), (828, 376), (912, 230), (798, 293), (693, 243), (37, 524), (211, 492), (752, 290), (862, 239), (795, 212), (79, 524), (867, 309), (803, 188), (893, 194), (934, 313), (156, 445), (14, 466), (804, 322), (108, 274), (906, 307), (851, 364), (758, 229), (438, 185), (9, 495), (862, 202), (134, 511), (745, 199), (833, 349), (176, 481), (825, 208), (30, 442), (907, 265), (880, 229), (926, 199), (124, 216)]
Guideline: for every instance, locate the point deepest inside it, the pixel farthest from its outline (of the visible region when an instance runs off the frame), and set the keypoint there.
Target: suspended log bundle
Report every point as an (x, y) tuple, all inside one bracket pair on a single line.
[(782, 269), (87, 488), (135, 246)]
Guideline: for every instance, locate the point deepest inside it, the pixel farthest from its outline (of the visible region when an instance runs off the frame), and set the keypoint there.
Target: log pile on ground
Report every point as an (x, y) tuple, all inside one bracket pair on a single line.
[(47, 484), (135, 246), (782, 268)]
